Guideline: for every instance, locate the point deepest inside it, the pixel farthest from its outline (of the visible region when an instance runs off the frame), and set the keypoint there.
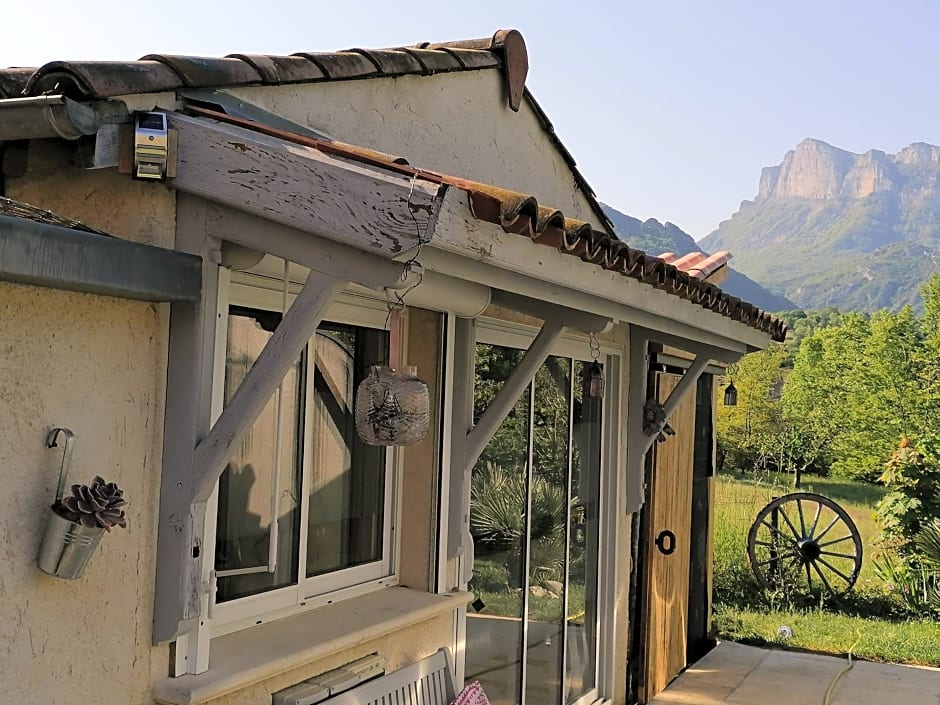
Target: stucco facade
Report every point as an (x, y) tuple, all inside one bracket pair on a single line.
[(104, 367), (96, 365), (457, 124)]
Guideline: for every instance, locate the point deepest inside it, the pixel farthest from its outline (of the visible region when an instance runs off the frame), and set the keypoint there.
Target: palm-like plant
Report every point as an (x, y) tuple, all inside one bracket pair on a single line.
[(928, 541), (497, 518)]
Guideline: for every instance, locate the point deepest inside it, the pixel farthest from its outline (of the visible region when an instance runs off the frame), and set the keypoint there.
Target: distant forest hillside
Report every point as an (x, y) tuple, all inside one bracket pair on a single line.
[(657, 238)]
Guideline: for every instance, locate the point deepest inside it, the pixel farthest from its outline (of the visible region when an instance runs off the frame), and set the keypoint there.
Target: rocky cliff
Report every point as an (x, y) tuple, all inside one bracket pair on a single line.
[(831, 227)]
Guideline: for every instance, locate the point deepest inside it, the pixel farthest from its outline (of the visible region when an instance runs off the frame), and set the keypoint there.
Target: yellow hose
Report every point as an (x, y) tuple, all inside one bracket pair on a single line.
[(841, 675)]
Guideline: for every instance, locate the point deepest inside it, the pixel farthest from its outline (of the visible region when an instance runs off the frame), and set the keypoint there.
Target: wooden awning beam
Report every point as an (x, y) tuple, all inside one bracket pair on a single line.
[(686, 384), (372, 209), (280, 352), (545, 310), (507, 396), (639, 442), (325, 256)]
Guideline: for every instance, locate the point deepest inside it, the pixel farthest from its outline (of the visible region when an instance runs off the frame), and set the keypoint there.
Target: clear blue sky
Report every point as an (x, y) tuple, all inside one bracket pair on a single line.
[(671, 108)]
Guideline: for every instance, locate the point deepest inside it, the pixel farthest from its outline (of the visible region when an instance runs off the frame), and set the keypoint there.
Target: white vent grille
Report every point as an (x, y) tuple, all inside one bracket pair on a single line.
[(319, 688)]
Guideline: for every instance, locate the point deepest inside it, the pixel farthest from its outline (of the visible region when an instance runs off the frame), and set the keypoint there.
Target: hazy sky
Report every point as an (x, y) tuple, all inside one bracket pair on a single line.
[(671, 108)]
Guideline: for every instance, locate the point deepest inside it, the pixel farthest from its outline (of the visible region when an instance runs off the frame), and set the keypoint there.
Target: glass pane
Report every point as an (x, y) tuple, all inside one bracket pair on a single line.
[(583, 543), (246, 487), (498, 525), (552, 420), (347, 492)]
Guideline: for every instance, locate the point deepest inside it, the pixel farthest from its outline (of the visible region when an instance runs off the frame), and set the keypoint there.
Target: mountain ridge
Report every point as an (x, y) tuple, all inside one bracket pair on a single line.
[(656, 238), (830, 227)]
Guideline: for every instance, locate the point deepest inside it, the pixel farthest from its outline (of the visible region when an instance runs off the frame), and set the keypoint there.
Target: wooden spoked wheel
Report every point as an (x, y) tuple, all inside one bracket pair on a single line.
[(805, 541)]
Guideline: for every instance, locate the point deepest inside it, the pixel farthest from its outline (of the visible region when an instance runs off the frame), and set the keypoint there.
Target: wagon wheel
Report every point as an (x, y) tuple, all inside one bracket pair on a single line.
[(805, 539)]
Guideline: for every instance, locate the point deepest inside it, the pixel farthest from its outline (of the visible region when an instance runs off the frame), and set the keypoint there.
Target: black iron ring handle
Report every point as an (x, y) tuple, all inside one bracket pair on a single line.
[(661, 542)]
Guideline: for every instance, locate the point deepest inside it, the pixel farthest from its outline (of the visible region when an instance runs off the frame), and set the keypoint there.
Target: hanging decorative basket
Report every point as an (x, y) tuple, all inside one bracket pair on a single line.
[(67, 547), (392, 407), (78, 520)]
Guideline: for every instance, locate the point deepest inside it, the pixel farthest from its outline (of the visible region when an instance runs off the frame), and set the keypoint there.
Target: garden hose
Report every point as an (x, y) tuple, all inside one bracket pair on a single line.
[(841, 674)]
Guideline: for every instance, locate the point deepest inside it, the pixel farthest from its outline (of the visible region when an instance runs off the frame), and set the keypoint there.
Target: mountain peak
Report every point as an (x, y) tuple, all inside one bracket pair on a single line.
[(832, 227), (815, 169)]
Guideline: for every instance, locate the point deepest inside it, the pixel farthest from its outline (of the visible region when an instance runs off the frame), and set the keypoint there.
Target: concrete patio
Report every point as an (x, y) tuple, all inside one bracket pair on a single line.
[(745, 675)]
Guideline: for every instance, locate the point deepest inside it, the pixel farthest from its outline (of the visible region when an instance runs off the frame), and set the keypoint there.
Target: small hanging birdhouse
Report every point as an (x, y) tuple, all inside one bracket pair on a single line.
[(393, 407)]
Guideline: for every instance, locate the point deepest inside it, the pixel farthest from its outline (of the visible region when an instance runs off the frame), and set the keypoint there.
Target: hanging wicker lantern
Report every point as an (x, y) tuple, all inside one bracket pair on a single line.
[(595, 381), (392, 407)]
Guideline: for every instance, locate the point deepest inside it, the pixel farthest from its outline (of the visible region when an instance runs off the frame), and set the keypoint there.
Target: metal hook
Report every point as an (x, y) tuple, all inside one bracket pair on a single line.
[(52, 442)]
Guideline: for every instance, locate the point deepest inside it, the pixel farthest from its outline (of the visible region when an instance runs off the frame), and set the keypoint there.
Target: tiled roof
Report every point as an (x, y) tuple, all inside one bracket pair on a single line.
[(522, 214), (153, 73), (697, 264), (505, 50)]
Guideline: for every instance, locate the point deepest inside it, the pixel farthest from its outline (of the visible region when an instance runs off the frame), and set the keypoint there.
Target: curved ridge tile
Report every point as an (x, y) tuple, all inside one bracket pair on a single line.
[(207, 71), (342, 65), (13, 81), (103, 79)]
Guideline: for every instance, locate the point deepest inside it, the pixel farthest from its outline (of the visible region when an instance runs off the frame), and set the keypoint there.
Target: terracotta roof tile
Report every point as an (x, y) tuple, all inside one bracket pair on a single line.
[(522, 214), (153, 73), (392, 62), (13, 81), (205, 72), (102, 79)]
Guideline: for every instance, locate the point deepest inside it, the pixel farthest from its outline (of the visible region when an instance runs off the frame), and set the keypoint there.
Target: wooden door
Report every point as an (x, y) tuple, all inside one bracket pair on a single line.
[(667, 545)]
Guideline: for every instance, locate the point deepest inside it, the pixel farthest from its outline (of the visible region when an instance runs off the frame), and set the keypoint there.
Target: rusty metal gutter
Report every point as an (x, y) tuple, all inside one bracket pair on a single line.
[(56, 116)]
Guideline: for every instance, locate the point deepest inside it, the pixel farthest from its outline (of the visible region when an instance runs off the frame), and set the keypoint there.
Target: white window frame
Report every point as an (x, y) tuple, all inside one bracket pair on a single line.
[(574, 345), (259, 292)]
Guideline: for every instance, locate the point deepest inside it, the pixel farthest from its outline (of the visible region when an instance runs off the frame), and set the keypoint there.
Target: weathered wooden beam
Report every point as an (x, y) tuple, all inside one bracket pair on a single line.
[(520, 378), (636, 438), (281, 351), (570, 317), (315, 253), (686, 384), (693, 345), (178, 590), (364, 206)]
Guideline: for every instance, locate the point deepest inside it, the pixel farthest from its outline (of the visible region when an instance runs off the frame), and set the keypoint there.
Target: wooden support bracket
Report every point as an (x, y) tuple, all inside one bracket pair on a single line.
[(281, 351), (686, 384), (639, 442), (506, 397)]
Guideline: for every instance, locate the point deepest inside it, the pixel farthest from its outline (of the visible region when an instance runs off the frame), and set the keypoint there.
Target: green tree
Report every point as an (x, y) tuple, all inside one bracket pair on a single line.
[(749, 433)]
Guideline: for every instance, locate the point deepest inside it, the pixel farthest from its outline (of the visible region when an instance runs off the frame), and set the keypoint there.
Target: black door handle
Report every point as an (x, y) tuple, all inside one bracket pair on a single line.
[(666, 536)]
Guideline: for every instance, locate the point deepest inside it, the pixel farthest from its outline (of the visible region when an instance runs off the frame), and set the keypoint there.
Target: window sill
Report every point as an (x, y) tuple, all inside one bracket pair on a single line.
[(252, 655)]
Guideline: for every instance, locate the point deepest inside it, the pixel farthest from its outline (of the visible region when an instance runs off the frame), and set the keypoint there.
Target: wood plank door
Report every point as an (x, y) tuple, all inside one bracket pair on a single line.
[(667, 545)]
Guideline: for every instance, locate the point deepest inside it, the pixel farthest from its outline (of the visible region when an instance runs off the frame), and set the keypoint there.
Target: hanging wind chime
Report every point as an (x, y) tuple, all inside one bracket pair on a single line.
[(595, 372), (392, 404)]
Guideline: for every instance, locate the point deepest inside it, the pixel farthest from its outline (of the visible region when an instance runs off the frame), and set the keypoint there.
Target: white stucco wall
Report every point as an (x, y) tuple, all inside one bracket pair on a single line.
[(458, 123), (96, 365)]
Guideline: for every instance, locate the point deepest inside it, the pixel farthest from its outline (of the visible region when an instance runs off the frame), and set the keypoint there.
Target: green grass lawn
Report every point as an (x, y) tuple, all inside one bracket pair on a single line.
[(745, 613)]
